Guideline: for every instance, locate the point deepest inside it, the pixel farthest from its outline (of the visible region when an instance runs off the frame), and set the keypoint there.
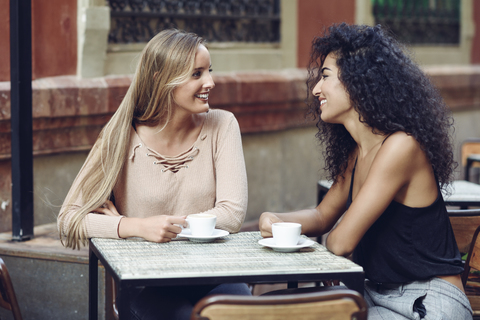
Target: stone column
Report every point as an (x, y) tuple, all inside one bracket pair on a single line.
[(363, 12), (93, 28)]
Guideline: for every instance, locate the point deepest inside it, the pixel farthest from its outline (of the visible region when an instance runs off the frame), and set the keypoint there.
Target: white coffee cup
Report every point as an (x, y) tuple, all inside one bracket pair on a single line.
[(201, 224), (286, 234)]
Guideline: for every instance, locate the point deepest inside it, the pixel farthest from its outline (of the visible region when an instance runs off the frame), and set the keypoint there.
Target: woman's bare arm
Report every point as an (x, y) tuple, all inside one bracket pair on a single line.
[(317, 221)]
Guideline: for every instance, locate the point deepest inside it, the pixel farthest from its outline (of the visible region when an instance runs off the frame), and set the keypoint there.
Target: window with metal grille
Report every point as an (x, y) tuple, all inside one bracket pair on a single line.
[(135, 21), (420, 21)]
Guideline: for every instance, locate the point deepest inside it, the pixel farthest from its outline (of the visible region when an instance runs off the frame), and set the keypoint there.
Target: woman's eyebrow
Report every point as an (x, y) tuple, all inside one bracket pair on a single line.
[(201, 68), (325, 68)]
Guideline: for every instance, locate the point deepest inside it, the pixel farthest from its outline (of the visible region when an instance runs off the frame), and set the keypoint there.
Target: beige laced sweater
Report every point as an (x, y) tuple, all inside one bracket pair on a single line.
[(208, 177)]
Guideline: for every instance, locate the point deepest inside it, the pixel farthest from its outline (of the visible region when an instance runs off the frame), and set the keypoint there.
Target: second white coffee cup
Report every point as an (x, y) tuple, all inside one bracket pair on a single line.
[(201, 224), (286, 234)]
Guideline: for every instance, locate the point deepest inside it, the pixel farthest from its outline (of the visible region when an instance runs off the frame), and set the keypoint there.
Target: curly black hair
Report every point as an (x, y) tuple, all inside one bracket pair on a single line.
[(389, 92)]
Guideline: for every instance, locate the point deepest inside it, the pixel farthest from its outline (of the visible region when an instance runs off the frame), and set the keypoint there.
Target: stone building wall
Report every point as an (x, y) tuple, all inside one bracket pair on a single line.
[(283, 159)]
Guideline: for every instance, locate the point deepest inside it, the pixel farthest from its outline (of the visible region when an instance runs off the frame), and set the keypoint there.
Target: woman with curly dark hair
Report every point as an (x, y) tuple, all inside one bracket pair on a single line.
[(386, 132)]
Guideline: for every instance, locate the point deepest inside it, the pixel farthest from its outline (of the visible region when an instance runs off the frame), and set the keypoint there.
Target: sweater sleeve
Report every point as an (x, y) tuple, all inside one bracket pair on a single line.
[(95, 224), (231, 177)]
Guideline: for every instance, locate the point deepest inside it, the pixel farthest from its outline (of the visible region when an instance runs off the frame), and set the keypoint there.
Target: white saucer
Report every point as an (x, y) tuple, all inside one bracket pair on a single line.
[(302, 243), (217, 233)]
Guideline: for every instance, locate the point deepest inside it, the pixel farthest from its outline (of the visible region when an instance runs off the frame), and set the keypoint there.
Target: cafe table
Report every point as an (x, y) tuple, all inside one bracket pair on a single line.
[(459, 193), (231, 259), (463, 194)]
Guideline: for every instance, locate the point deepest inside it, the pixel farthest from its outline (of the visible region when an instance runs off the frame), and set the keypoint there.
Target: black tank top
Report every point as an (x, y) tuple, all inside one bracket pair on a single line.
[(407, 244)]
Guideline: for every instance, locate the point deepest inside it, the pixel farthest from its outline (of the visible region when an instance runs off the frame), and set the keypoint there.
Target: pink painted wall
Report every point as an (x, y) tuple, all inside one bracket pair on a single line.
[(54, 38), (313, 17), (475, 57)]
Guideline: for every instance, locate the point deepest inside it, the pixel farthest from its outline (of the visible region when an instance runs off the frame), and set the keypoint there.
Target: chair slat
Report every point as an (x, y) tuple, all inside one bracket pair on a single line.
[(8, 300), (321, 305), (4, 303), (475, 259), (334, 310), (463, 229)]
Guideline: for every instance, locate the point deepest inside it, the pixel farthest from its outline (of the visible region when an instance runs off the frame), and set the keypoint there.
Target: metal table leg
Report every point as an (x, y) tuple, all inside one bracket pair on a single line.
[(93, 286), (124, 301)]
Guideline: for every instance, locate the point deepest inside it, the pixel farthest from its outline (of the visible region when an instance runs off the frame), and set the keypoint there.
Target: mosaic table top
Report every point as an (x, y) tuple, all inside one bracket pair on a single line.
[(234, 255)]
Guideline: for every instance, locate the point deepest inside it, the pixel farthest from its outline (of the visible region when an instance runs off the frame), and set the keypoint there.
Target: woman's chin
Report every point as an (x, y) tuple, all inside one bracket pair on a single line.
[(206, 109), (324, 117)]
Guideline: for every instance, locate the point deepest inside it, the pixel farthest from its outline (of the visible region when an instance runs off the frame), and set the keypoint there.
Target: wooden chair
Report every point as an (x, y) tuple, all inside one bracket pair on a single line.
[(333, 305), (465, 225), (470, 154), (471, 282), (8, 300)]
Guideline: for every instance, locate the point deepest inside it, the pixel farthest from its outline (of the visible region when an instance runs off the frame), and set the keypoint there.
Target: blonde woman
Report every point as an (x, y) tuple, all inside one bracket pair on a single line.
[(162, 156)]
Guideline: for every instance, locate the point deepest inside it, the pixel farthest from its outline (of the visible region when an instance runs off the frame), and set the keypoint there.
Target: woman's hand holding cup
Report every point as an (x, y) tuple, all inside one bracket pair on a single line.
[(265, 223)]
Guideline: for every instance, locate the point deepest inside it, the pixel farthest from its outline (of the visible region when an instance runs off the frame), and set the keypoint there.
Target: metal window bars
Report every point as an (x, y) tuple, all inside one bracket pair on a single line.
[(420, 21), (134, 21)]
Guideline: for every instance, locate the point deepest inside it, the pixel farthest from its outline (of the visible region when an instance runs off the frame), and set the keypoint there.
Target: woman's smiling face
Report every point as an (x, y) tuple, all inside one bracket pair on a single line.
[(334, 99), (192, 96)]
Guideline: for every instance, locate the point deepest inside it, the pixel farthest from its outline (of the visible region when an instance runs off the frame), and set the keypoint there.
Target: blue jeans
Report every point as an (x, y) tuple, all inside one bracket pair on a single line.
[(433, 299), (176, 303)]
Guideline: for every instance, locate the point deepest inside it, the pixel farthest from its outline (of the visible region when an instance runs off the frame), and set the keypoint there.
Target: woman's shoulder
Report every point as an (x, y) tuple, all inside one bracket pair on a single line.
[(401, 147), (221, 125), (218, 119), (220, 115), (401, 142)]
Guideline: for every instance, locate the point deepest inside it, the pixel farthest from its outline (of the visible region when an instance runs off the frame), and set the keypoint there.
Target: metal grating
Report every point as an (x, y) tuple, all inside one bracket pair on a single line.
[(134, 21), (420, 21)]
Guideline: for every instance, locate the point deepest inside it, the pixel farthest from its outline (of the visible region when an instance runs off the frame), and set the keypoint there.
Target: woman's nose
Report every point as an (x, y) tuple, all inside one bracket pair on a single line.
[(317, 90), (209, 83)]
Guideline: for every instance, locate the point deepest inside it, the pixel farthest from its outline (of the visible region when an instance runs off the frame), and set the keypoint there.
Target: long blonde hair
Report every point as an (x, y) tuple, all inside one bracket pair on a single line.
[(167, 61)]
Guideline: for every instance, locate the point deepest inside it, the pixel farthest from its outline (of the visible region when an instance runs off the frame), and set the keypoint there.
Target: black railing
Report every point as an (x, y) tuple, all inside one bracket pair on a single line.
[(21, 119), (135, 21), (420, 21)]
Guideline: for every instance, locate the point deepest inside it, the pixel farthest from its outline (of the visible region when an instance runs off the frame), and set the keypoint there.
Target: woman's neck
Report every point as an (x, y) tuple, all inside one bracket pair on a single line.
[(367, 141)]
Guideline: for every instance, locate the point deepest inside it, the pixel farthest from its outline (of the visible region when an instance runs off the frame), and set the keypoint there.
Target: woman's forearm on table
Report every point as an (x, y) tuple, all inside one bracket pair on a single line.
[(308, 218), (129, 227)]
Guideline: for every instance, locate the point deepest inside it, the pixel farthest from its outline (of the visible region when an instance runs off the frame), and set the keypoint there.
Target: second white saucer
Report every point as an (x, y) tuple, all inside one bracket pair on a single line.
[(302, 243)]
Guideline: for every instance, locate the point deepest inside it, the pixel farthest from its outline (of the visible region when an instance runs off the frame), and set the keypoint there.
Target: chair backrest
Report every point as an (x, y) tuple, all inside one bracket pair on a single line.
[(464, 223), (473, 259), (8, 300), (333, 305), (470, 146)]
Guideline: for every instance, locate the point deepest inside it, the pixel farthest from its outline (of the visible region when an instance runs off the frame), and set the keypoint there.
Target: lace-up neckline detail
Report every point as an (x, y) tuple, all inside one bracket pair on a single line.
[(173, 164)]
